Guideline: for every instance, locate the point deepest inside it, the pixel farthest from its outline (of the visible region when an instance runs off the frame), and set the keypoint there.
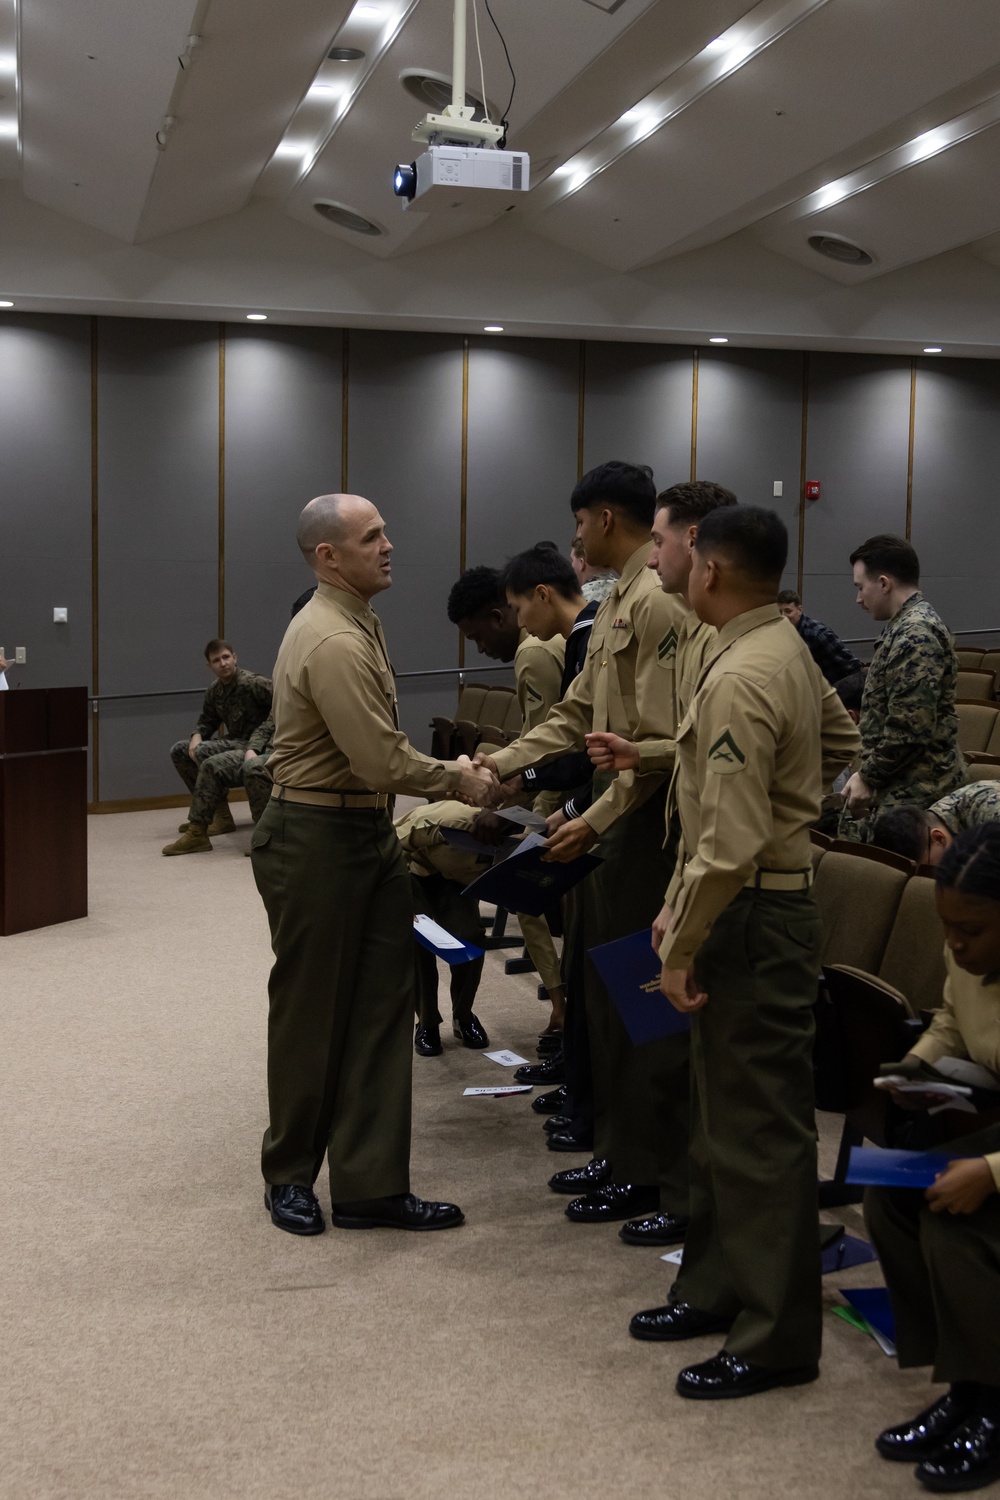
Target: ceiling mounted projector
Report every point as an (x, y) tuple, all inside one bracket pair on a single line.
[(463, 155)]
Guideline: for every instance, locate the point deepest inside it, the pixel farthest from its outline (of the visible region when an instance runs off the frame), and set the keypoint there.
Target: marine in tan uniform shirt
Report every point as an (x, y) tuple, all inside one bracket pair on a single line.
[(329, 868), (744, 944), (626, 686)]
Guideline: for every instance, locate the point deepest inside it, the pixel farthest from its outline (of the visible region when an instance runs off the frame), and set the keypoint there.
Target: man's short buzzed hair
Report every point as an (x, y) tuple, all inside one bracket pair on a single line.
[(215, 646), (320, 521), (688, 503), (752, 539), (892, 555), (627, 488), (903, 830), (477, 592)]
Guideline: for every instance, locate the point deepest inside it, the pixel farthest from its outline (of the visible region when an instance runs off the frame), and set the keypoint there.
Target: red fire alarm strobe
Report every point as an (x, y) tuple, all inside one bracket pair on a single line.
[(812, 489)]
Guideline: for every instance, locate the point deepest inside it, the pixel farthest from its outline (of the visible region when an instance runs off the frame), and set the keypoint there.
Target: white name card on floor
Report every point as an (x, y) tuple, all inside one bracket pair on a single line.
[(674, 1257), (506, 1059), (501, 1089)]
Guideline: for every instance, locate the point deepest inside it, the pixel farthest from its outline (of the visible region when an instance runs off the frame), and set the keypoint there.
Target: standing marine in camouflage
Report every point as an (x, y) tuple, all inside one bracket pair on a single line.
[(238, 701), (924, 834), (909, 728)]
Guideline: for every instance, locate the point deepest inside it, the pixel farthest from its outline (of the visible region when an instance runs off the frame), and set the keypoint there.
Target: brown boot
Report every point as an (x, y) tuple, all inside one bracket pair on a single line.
[(222, 821), (195, 841)]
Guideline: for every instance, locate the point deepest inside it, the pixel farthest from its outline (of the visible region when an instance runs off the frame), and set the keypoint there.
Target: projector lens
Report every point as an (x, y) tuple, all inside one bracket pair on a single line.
[(404, 182)]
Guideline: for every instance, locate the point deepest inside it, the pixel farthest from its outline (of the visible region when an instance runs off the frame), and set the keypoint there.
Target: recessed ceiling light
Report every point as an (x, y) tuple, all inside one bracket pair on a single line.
[(5, 303), (718, 339), (841, 250), (493, 328), (367, 12), (256, 317), (346, 218), (933, 349), (345, 54)]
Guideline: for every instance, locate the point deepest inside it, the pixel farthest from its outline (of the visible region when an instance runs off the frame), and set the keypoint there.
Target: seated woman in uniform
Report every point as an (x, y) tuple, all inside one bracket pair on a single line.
[(940, 1249)]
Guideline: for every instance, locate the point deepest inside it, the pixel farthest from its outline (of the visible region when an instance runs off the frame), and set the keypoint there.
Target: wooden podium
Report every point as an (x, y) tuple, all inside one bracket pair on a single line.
[(43, 807)]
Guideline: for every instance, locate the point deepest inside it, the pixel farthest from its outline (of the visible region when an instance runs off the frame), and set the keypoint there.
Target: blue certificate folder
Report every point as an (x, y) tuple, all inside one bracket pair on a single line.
[(453, 951), (873, 1167), (523, 883), (631, 973), (872, 1302)]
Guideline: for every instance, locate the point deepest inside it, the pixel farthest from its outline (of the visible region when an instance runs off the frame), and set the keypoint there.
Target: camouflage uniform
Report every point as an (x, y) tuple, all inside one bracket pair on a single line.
[(255, 776), (909, 728), (978, 802), (241, 705)]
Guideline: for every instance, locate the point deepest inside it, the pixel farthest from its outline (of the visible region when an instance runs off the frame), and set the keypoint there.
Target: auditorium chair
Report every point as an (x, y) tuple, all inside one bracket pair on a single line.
[(969, 659), (991, 663), (478, 708), (977, 726), (973, 685)]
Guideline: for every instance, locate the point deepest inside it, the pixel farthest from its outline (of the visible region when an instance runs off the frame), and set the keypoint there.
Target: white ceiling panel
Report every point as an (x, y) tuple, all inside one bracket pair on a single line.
[(255, 60), (844, 74), (97, 76), (933, 206)]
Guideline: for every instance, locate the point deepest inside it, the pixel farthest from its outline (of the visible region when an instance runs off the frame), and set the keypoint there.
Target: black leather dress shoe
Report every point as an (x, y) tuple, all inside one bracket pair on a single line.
[(925, 1432), (553, 1070), (727, 1376), (427, 1041), (967, 1460), (401, 1211), (619, 1200), (550, 1103), (471, 1033), (293, 1208), (676, 1321), (568, 1140), (576, 1179), (555, 1123), (658, 1229)]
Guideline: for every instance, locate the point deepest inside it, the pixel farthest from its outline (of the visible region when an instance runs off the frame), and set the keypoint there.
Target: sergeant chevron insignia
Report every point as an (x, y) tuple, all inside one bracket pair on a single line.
[(666, 651), (725, 756)]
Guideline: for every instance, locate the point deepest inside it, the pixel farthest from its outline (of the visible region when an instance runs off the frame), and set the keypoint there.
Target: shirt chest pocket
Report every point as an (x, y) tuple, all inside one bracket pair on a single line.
[(621, 667)]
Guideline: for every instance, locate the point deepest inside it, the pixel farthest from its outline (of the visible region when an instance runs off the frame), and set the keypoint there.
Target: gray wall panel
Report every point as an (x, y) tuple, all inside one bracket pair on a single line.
[(523, 428), (45, 540), (283, 446), (638, 408), (158, 398), (405, 455), (956, 519), (135, 739), (750, 431), (859, 416)]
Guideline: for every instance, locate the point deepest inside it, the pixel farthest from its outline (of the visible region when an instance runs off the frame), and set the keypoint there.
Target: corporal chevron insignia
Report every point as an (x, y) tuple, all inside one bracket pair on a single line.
[(666, 651), (725, 756)]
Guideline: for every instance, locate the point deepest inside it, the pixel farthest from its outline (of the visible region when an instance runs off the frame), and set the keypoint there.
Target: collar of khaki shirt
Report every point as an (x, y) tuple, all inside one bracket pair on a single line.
[(632, 569), (349, 603), (743, 624)]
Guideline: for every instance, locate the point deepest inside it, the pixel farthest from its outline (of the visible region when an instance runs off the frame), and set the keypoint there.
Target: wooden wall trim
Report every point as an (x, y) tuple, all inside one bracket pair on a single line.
[(694, 415), (803, 461), (909, 450), (222, 484), (581, 411), (345, 404), (95, 582), (463, 490)]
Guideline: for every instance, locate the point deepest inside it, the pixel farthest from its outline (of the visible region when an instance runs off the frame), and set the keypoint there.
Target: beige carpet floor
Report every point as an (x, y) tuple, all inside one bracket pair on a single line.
[(160, 1338)]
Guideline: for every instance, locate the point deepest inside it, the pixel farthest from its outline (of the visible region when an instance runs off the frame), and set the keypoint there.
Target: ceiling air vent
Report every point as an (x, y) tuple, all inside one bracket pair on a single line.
[(345, 218), (433, 90), (842, 250)]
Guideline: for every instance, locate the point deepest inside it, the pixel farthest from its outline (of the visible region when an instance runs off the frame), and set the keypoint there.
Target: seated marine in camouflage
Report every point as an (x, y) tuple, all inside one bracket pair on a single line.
[(909, 727), (238, 702), (923, 834), (217, 776)]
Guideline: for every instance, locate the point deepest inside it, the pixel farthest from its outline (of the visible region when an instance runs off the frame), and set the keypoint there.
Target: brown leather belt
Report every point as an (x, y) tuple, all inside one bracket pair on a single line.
[(335, 801), (779, 880)]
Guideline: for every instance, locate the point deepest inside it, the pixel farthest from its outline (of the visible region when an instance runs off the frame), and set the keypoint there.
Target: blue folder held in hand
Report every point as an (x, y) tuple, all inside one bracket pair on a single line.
[(631, 973), (873, 1167), (524, 883), (432, 936)]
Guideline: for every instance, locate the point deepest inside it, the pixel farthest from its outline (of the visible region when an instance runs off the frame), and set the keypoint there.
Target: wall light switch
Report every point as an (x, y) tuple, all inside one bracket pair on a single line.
[(778, 490), (60, 616), (20, 655)]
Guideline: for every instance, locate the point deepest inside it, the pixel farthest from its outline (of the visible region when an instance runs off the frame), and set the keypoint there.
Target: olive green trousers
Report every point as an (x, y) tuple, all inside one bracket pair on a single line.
[(943, 1275), (752, 1251), (339, 1058)]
